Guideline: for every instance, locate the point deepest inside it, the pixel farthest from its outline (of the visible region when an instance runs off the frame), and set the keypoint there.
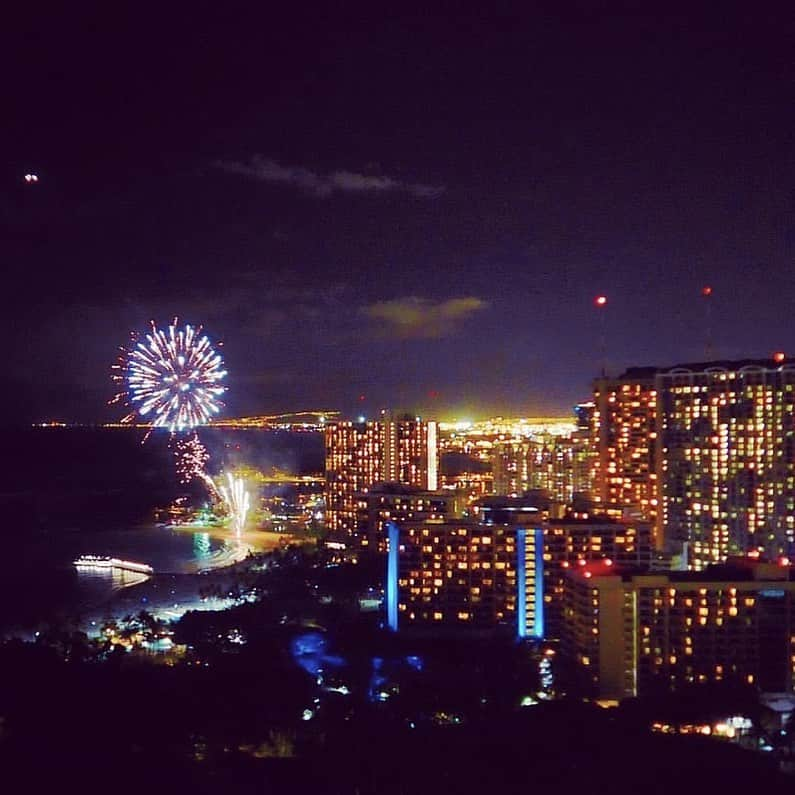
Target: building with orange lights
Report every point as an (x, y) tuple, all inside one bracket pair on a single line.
[(574, 541), (396, 502), (481, 575), (360, 454), (704, 451), (560, 466), (629, 633), (467, 573), (624, 433), (510, 462), (727, 459)]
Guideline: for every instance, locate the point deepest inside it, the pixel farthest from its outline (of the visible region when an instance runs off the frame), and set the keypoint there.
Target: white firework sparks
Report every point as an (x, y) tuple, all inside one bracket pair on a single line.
[(237, 499), (172, 378)]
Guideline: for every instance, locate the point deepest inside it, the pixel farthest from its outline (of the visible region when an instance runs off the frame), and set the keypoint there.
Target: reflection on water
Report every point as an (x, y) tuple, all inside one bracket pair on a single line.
[(167, 550), (201, 546), (110, 579), (44, 573)]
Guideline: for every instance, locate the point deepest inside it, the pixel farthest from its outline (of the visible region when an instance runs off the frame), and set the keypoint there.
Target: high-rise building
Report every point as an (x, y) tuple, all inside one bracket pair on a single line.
[(624, 433), (360, 454), (727, 450), (584, 453), (476, 575), (396, 502), (571, 542), (706, 451), (556, 465), (583, 415), (551, 467), (354, 462), (469, 487), (629, 633), (510, 462)]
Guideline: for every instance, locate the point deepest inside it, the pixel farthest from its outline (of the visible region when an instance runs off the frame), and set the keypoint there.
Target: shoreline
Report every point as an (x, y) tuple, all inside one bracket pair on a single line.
[(236, 547), (169, 595)]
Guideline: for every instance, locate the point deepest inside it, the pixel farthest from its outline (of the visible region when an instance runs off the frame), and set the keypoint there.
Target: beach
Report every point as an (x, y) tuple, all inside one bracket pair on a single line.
[(185, 560), (233, 547), (168, 595)]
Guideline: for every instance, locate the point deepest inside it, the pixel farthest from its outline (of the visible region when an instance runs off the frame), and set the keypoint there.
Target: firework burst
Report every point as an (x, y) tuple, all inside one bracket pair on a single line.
[(172, 378)]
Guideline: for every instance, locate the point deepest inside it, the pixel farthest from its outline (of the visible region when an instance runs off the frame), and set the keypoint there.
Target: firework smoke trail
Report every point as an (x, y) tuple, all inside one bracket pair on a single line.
[(237, 498), (191, 458), (171, 379)]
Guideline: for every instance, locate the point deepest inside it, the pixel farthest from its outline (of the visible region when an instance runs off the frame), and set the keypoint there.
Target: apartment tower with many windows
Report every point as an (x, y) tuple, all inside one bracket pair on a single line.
[(360, 454), (704, 451)]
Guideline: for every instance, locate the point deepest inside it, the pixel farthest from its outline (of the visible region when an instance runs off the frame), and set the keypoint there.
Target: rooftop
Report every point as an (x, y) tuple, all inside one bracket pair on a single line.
[(739, 569), (633, 373), (402, 489)]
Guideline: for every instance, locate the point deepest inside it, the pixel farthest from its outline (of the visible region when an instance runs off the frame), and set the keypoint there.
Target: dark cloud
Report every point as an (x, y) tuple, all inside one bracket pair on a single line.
[(267, 170)]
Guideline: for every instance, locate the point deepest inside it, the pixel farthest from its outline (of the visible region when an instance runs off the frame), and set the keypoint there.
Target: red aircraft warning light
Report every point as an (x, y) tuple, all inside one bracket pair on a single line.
[(600, 300), (778, 357), (706, 291)]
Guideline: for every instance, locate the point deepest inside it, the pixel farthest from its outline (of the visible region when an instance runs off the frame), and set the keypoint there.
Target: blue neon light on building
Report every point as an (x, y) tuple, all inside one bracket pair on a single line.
[(538, 583), (393, 536), (521, 582), (538, 628)]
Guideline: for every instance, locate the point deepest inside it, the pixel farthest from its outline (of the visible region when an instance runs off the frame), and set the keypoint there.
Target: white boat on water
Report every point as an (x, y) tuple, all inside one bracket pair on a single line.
[(106, 562)]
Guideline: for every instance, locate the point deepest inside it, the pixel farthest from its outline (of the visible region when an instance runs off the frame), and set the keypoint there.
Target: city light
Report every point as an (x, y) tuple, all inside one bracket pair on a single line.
[(405, 514)]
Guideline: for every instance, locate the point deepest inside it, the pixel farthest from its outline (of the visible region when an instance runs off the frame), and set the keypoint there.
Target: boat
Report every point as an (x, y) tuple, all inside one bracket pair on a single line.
[(106, 562)]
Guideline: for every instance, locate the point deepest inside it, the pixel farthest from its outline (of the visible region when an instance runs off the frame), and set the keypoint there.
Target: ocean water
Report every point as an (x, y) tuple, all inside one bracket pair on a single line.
[(67, 492)]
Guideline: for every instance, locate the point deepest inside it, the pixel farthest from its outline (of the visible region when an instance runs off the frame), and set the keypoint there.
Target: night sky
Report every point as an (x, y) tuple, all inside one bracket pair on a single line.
[(414, 207)]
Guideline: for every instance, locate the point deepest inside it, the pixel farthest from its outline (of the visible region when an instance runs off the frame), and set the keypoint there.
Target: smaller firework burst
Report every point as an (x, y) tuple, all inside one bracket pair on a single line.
[(191, 458), (237, 500)]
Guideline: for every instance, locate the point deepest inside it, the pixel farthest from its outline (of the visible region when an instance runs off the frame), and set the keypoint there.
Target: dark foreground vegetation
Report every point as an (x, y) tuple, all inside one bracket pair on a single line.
[(233, 707)]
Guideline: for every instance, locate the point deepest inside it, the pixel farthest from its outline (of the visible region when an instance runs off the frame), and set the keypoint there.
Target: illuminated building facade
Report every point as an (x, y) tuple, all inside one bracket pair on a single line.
[(398, 503), (354, 462), (468, 486), (411, 452), (558, 466), (360, 454), (624, 433), (630, 633), (551, 468), (510, 461), (571, 542), (705, 451), (584, 452), (476, 575), (728, 459)]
